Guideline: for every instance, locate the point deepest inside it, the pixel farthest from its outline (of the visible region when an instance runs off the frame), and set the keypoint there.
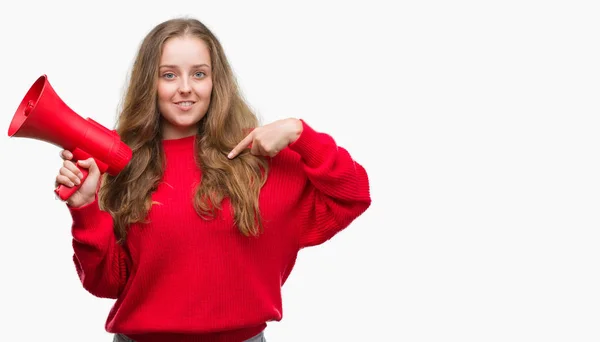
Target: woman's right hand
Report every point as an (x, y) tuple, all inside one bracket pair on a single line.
[(69, 175)]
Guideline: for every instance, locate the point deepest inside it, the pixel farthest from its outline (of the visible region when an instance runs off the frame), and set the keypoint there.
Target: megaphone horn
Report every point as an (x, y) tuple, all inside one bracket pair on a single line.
[(42, 115)]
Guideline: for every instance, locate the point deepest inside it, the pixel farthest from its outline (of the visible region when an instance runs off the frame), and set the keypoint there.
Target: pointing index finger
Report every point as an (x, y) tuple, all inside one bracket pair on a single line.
[(242, 145)]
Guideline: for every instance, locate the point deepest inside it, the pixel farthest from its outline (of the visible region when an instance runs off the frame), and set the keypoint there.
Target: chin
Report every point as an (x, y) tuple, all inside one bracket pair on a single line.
[(186, 126), (184, 120)]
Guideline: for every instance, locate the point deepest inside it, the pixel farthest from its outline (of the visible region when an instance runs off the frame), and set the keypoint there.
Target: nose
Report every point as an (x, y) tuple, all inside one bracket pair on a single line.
[(184, 86)]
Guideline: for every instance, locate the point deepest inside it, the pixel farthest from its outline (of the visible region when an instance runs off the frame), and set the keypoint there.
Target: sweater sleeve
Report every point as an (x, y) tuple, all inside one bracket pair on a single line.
[(338, 189), (101, 263)]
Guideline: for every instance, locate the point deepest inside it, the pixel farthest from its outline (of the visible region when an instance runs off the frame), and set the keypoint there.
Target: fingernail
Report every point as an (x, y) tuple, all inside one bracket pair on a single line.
[(80, 175), (77, 181), (230, 155), (71, 184)]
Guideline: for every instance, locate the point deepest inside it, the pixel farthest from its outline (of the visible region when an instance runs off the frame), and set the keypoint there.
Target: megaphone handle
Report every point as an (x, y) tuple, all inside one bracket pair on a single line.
[(64, 192)]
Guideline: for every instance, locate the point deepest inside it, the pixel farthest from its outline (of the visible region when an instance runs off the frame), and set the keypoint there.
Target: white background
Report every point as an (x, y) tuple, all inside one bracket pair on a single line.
[(477, 122)]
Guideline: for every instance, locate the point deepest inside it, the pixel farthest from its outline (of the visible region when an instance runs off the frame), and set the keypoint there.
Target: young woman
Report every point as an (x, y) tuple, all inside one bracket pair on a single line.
[(196, 236)]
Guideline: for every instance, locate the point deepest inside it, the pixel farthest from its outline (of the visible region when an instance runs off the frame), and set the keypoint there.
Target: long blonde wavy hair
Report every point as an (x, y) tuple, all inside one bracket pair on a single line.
[(127, 196)]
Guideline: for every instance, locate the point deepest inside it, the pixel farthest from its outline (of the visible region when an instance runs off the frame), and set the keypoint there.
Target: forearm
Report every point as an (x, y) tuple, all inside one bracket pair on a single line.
[(330, 168), (99, 260), (338, 191)]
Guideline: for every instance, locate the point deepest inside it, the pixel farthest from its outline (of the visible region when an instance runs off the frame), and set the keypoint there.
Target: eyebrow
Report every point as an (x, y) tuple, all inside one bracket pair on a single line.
[(175, 66)]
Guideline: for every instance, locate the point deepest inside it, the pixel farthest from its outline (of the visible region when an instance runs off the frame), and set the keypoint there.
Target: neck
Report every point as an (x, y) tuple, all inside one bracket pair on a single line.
[(171, 133)]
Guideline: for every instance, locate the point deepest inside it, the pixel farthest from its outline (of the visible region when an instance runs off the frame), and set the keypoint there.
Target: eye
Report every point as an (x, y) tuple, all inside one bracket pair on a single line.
[(200, 74), (168, 75)]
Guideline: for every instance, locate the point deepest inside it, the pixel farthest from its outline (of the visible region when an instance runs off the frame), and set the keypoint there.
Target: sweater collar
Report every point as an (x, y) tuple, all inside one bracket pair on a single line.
[(179, 143)]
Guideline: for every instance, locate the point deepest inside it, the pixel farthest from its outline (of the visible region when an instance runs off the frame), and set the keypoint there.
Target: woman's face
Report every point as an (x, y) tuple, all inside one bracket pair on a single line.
[(184, 85)]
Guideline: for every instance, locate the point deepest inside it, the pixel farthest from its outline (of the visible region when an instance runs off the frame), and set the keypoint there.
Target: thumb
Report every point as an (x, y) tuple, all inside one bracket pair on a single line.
[(89, 164)]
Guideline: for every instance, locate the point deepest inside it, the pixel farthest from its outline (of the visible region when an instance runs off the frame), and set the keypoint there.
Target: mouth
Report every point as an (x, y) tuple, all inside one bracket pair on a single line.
[(184, 105)]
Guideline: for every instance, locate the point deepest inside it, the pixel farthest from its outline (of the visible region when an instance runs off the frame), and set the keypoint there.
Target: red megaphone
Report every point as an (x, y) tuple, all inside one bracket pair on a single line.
[(42, 115)]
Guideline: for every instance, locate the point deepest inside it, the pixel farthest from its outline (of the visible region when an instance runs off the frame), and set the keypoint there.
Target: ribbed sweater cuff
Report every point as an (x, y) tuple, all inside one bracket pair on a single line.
[(89, 218), (313, 147)]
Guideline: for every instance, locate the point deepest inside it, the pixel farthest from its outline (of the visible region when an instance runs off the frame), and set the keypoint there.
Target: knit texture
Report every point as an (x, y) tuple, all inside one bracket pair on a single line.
[(181, 278)]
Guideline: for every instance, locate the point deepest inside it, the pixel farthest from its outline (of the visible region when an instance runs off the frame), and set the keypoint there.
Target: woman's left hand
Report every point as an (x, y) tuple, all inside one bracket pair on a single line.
[(270, 139)]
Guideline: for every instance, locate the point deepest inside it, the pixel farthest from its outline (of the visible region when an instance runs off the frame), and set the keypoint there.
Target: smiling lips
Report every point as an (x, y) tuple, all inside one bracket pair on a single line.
[(184, 105)]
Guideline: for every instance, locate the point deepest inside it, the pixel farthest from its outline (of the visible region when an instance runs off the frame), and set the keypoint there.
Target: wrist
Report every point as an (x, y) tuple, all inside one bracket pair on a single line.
[(82, 203), (296, 129)]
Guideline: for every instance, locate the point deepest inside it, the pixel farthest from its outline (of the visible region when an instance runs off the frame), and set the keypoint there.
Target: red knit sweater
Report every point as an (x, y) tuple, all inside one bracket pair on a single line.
[(181, 278)]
